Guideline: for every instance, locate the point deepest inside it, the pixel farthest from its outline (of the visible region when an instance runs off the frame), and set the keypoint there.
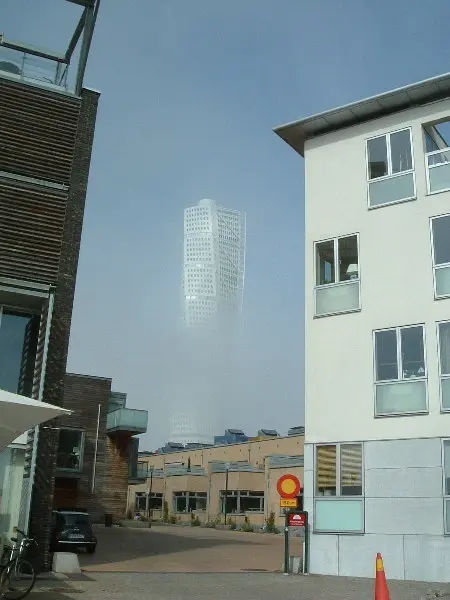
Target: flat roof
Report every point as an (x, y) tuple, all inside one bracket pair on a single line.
[(296, 133)]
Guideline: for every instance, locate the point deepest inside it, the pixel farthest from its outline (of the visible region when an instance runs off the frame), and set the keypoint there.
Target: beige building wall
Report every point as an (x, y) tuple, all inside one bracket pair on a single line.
[(256, 453)]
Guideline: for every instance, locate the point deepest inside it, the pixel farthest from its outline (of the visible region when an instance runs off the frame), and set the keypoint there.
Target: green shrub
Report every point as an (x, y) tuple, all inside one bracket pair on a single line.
[(166, 512), (270, 524), (247, 526), (172, 519), (195, 521)]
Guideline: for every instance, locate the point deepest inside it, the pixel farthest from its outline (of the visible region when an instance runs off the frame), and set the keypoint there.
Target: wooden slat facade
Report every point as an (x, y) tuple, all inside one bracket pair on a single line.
[(46, 141), (37, 132), (31, 231)]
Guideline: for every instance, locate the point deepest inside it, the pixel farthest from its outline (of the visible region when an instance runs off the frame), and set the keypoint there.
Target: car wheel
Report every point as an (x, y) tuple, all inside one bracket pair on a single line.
[(90, 549)]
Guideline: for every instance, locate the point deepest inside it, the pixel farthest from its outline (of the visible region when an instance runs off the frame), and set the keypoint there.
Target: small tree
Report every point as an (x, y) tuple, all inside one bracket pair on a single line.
[(166, 512)]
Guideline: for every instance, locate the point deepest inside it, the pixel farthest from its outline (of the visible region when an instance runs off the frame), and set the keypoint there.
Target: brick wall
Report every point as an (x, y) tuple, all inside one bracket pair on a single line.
[(42, 496), (83, 395)]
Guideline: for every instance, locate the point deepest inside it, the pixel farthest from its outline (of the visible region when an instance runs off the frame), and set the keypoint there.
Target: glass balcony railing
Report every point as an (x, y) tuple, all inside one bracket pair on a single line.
[(127, 419), (438, 163), (26, 66)]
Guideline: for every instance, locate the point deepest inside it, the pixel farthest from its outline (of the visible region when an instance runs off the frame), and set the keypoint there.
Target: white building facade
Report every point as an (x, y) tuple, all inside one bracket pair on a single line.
[(212, 288), (377, 285)]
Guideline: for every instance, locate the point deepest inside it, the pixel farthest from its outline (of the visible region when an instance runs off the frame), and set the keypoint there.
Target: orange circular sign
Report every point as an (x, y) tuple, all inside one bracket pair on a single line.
[(288, 486)]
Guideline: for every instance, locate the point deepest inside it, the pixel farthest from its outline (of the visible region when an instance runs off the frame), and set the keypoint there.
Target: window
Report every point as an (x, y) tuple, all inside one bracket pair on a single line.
[(390, 168), (400, 372), (337, 275), (140, 502), (155, 501), (339, 488), (437, 137), (189, 501), (444, 363), (18, 341), (238, 501), (440, 232), (70, 450)]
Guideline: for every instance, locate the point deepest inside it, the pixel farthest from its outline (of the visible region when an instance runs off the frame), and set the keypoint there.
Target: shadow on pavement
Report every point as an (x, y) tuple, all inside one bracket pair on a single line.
[(121, 544)]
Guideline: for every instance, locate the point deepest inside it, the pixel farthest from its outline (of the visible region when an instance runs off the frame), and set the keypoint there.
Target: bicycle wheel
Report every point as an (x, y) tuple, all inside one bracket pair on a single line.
[(17, 579)]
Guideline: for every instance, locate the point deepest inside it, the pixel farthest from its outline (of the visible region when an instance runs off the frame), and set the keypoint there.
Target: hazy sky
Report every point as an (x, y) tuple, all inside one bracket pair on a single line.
[(190, 92)]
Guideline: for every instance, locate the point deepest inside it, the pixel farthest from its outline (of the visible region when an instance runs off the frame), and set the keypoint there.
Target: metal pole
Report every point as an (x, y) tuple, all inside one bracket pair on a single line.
[(306, 557), (286, 543), (150, 509), (94, 468), (226, 496)]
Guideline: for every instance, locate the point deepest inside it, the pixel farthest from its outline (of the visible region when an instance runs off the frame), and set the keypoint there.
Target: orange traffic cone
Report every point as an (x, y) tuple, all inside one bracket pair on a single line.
[(381, 588)]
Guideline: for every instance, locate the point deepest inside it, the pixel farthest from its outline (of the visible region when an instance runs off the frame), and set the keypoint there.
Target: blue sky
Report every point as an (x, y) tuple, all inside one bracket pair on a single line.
[(190, 93)]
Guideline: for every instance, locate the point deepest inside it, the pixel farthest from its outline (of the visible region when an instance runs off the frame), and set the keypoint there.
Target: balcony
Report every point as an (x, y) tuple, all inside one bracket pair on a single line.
[(127, 420), (438, 163)]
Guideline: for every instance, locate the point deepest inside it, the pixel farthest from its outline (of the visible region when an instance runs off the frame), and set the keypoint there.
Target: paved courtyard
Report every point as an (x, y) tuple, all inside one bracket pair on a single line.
[(238, 586), (176, 563), (168, 549)]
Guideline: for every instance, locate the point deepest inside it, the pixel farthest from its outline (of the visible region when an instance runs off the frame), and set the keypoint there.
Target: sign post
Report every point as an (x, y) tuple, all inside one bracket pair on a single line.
[(289, 487), (295, 521)]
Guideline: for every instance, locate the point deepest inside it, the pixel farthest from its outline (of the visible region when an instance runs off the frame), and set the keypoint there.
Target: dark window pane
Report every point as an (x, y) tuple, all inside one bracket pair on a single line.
[(386, 355), (348, 258), (231, 502), (401, 151), (326, 470), (413, 362), (252, 503), (351, 470), (18, 339), (377, 156), (325, 262), (70, 449), (444, 347), (441, 240)]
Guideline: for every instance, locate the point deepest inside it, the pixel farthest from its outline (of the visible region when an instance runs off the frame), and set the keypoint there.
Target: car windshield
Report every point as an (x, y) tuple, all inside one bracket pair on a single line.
[(71, 520)]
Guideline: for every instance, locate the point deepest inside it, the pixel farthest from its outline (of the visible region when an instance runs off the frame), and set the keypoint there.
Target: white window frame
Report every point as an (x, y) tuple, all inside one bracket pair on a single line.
[(390, 175), (441, 375), (339, 497), (186, 495), (432, 153), (238, 494), (435, 266), (446, 497), (336, 283), (399, 380)]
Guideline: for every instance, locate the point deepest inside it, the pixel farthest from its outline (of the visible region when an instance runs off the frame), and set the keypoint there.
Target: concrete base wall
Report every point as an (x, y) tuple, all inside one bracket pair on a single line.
[(403, 515)]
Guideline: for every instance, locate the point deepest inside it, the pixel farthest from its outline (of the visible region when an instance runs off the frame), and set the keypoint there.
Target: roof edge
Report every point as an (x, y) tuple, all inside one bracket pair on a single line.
[(295, 133)]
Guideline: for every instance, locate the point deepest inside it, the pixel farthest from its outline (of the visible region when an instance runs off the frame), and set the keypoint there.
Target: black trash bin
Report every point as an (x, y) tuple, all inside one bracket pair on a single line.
[(108, 520)]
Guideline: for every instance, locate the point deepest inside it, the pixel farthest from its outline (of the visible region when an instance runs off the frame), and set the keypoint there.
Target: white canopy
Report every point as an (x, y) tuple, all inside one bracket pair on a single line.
[(18, 414)]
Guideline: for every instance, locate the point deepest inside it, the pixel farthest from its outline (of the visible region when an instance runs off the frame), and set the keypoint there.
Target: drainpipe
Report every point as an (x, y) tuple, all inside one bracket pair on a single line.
[(94, 468)]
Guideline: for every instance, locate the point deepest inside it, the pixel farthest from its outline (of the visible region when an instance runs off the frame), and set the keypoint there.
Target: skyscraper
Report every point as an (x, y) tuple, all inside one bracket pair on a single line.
[(213, 286)]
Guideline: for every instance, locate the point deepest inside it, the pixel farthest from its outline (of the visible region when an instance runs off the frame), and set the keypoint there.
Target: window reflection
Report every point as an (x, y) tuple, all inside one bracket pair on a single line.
[(18, 341), (70, 450)]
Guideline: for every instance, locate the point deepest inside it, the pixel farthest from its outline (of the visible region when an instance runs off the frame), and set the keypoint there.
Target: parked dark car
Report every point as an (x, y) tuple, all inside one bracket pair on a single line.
[(72, 528)]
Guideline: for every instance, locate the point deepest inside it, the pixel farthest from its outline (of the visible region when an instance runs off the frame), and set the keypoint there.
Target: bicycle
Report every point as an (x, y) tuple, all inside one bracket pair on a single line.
[(18, 576)]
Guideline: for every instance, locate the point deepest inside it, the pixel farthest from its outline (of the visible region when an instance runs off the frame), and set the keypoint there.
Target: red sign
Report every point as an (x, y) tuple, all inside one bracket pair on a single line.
[(289, 486), (297, 520)]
